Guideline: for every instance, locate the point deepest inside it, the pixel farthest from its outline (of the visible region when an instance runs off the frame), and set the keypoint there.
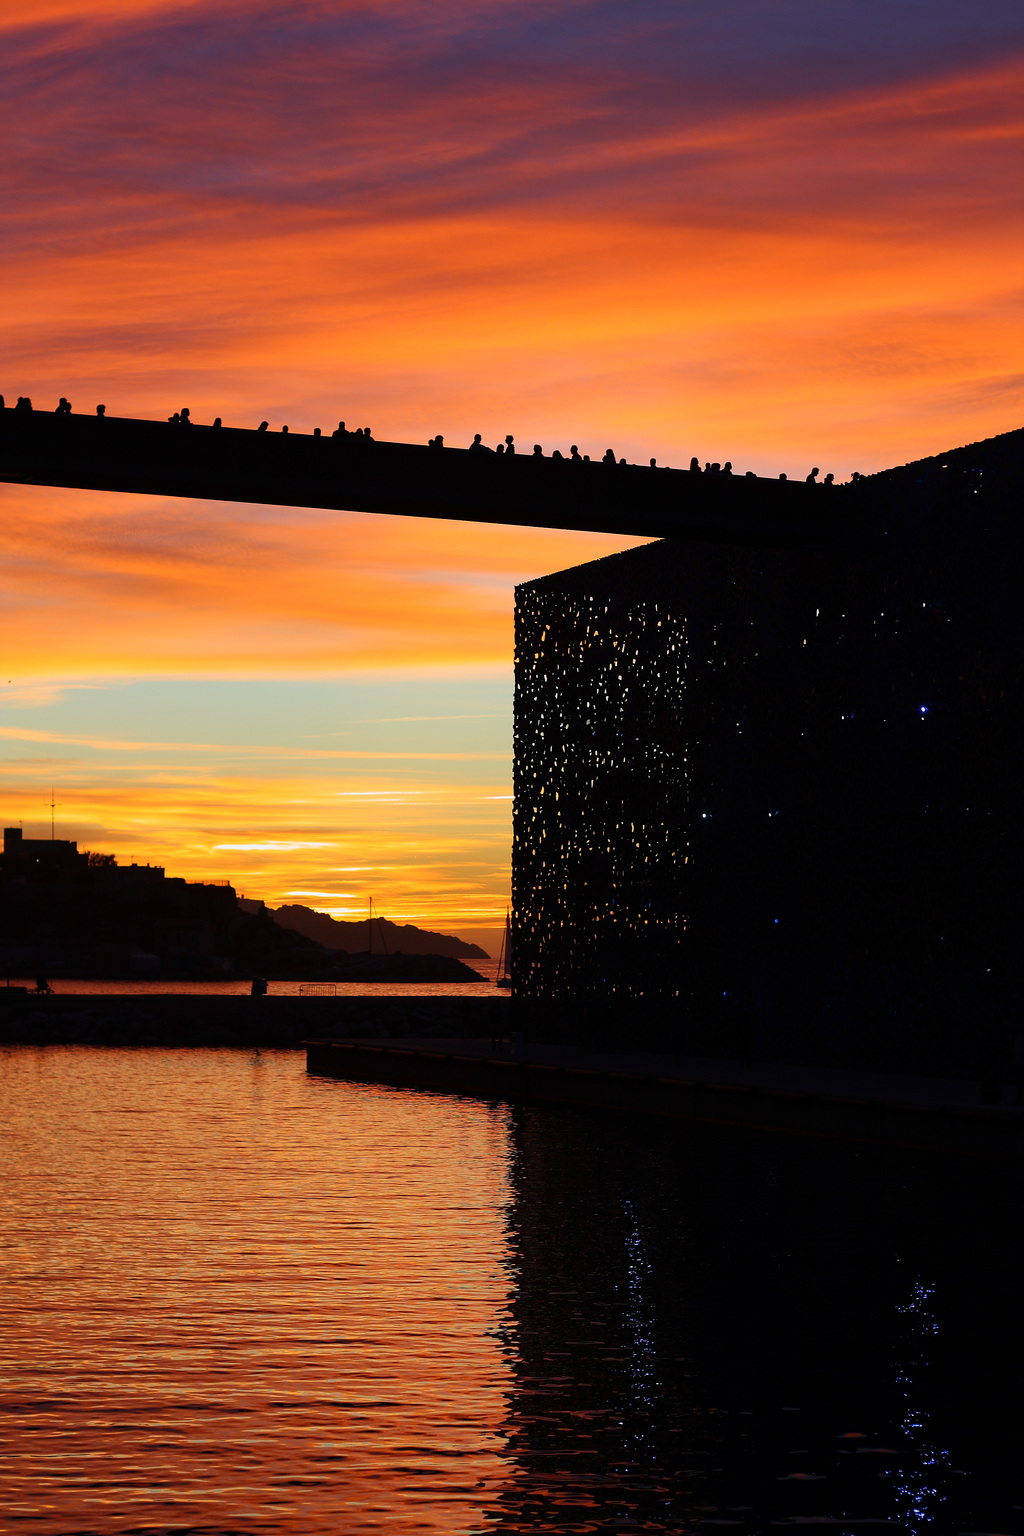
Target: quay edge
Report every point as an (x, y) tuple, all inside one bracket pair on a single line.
[(934, 1127)]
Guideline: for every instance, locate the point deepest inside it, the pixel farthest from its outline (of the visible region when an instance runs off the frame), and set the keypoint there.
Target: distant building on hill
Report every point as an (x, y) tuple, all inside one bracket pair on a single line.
[(40, 858), (72, 913)]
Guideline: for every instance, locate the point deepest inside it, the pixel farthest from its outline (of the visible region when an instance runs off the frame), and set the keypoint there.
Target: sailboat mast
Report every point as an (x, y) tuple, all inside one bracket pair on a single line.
[(504, 976)]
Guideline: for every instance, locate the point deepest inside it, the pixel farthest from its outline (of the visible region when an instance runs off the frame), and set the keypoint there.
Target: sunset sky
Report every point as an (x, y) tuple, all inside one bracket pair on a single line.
[(780, 233)]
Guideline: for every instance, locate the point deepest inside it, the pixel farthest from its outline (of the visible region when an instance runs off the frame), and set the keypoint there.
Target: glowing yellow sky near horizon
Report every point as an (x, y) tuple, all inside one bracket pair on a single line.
[(388, 234), (433, 854)]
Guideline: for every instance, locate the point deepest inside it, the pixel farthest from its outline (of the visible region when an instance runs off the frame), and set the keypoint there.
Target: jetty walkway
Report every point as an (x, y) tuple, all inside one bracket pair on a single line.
[(934, 1113)]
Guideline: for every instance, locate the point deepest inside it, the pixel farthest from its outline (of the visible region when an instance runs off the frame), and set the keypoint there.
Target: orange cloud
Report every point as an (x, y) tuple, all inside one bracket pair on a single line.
[(110, 585), (829, 276)]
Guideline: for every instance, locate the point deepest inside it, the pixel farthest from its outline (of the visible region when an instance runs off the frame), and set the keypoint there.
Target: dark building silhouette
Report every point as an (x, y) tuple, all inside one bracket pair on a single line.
[(40, 858), (768, 789), (68, 913)]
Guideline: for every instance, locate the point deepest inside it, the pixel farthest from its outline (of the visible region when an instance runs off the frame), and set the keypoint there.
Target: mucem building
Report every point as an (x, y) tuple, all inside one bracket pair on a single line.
[(768, 784)]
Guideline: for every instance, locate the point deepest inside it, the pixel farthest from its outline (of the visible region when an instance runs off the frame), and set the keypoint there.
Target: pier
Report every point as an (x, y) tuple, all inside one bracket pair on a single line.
[(932, 1114), (194, 1019)]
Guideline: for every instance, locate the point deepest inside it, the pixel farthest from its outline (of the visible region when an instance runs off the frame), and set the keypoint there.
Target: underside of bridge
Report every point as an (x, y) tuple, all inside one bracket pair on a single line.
[(768, 794)]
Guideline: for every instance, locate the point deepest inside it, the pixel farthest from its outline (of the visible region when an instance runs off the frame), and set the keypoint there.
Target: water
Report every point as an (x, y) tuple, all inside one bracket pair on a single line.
[(486, 988), (240, 1299)]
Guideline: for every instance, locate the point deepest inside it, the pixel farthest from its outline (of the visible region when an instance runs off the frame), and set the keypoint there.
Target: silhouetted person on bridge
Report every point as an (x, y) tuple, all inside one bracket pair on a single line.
[(341, 432), (574, 454), (830, 479), (695, 466), (609, 456), (555, 454), (538, 451), (263, 426), (812, 477), (101, 410), (727, 467), (64, 408), (217, 423), (186, 419), (24, 403), (436, 442), (510, 446), (476, 446)]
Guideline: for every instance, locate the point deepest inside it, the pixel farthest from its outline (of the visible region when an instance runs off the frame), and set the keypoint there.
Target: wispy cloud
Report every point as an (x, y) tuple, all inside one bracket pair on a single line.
[(267, 847), (89, 580), (220, 750), (40, 695)]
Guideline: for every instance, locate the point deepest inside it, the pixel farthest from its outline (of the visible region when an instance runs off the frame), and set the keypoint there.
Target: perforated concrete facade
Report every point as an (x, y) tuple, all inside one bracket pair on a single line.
[(768, 796)]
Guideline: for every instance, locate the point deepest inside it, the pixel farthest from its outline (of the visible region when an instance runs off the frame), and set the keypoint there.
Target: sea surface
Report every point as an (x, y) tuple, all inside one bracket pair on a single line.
[(240, 1299), (488, 969)]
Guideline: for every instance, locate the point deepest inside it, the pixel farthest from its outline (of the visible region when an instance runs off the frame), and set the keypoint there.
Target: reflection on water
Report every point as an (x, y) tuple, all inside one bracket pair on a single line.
[(921, 1481), (236, 1297), (241, 1299), (757, 1332)]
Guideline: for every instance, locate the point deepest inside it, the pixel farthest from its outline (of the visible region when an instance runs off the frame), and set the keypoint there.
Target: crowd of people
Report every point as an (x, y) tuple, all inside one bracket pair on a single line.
[(63, 407), (183, 418), (609, 457)]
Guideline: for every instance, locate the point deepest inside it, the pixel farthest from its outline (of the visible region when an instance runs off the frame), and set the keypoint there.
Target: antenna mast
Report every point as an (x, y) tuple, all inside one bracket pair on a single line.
[(369, 930)]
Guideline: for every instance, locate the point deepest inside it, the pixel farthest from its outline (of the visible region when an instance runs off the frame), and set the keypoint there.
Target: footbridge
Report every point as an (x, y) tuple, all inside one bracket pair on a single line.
[(354, 473)]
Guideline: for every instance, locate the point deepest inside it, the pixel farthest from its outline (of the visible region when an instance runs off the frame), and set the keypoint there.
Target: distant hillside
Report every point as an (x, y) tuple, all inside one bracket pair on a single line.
[(355, 937)]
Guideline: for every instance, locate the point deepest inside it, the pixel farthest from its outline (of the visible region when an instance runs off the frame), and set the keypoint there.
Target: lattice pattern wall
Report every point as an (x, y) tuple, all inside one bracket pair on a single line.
[(771, 796), (602, 794)]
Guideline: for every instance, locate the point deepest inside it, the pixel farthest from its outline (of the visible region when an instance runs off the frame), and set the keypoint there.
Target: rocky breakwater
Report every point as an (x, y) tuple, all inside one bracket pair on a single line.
[(281, 1023)]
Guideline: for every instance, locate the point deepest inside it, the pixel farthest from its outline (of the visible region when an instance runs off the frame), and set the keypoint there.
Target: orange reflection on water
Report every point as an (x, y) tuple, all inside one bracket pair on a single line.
[(238, 1296)]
